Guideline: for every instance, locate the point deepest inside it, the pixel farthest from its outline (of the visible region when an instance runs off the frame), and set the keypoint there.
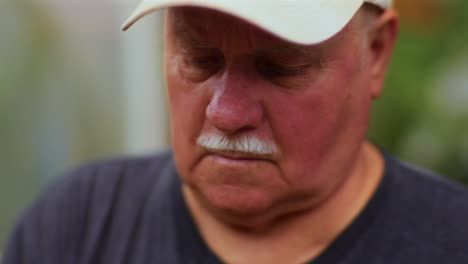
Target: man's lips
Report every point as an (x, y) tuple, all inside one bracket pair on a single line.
[(238, 156)]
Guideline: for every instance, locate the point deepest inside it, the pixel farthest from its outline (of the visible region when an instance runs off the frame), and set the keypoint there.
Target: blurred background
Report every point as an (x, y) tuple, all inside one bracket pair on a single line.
[(73, 88)]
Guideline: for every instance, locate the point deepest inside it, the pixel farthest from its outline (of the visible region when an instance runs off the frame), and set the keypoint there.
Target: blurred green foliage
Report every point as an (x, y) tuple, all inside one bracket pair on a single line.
[(27, 43), (54, 112), (409, 108)]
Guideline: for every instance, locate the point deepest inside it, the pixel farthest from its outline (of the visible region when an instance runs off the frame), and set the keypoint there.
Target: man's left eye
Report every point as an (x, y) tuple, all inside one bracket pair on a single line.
[(274, 70)]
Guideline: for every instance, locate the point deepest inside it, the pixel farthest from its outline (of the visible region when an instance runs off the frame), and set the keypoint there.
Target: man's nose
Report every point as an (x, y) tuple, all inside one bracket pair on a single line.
[(234, 106)]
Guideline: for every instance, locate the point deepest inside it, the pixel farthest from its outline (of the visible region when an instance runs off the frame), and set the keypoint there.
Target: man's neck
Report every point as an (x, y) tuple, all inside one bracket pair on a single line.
[(306, 234)]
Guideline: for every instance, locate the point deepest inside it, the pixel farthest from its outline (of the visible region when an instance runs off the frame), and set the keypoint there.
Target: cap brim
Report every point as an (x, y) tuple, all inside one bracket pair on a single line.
[(301, 21)]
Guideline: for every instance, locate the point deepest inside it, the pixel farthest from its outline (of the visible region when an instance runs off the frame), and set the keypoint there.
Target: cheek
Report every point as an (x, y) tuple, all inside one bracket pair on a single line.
[(322, 125), (307, 124), (187, 104)]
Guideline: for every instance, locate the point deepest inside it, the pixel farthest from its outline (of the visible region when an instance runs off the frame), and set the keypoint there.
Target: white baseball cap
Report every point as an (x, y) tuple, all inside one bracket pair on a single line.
[(299, 21)]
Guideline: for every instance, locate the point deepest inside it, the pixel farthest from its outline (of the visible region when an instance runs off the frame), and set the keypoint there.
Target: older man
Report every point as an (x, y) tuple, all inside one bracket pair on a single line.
[(269, 107)]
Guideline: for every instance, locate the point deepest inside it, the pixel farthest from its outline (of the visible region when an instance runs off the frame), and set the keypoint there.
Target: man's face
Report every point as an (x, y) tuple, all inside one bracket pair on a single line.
[(306, 108)]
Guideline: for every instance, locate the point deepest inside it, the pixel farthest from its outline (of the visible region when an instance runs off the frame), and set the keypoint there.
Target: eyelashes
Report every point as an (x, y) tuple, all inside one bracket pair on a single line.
[(200, 68), (274, 70)]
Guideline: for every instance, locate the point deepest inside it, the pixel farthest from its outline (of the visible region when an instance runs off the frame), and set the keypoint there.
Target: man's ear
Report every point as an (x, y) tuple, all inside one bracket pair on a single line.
[(381, 42)]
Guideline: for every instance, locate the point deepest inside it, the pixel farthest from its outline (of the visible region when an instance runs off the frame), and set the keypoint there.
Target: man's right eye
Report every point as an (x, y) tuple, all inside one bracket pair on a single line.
[(201, 67), (202, 62)]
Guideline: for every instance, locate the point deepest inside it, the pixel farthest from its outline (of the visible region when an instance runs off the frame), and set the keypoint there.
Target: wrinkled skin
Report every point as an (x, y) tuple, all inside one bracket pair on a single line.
[(313, 102)]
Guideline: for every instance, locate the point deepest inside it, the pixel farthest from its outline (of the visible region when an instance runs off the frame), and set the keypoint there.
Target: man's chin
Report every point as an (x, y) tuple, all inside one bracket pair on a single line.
[(233, 201), (245, 207)]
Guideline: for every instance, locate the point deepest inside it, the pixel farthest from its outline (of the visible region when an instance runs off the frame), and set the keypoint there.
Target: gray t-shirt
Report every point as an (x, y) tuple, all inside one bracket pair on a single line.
[(132, 211)]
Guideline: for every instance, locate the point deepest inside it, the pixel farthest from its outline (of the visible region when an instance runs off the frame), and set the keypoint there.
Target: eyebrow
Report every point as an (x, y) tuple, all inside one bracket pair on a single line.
[(292, 50), (286, 48), (184, 33)]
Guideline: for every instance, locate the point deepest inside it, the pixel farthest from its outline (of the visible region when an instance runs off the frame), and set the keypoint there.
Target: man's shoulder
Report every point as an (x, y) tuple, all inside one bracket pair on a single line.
[(101, 201), (111, 175), (429, 211), (118, 167), (427, 187), (139, 168)]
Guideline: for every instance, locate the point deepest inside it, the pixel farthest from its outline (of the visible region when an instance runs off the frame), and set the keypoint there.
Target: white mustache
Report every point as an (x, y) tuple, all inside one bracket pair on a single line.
[(245, 144)]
